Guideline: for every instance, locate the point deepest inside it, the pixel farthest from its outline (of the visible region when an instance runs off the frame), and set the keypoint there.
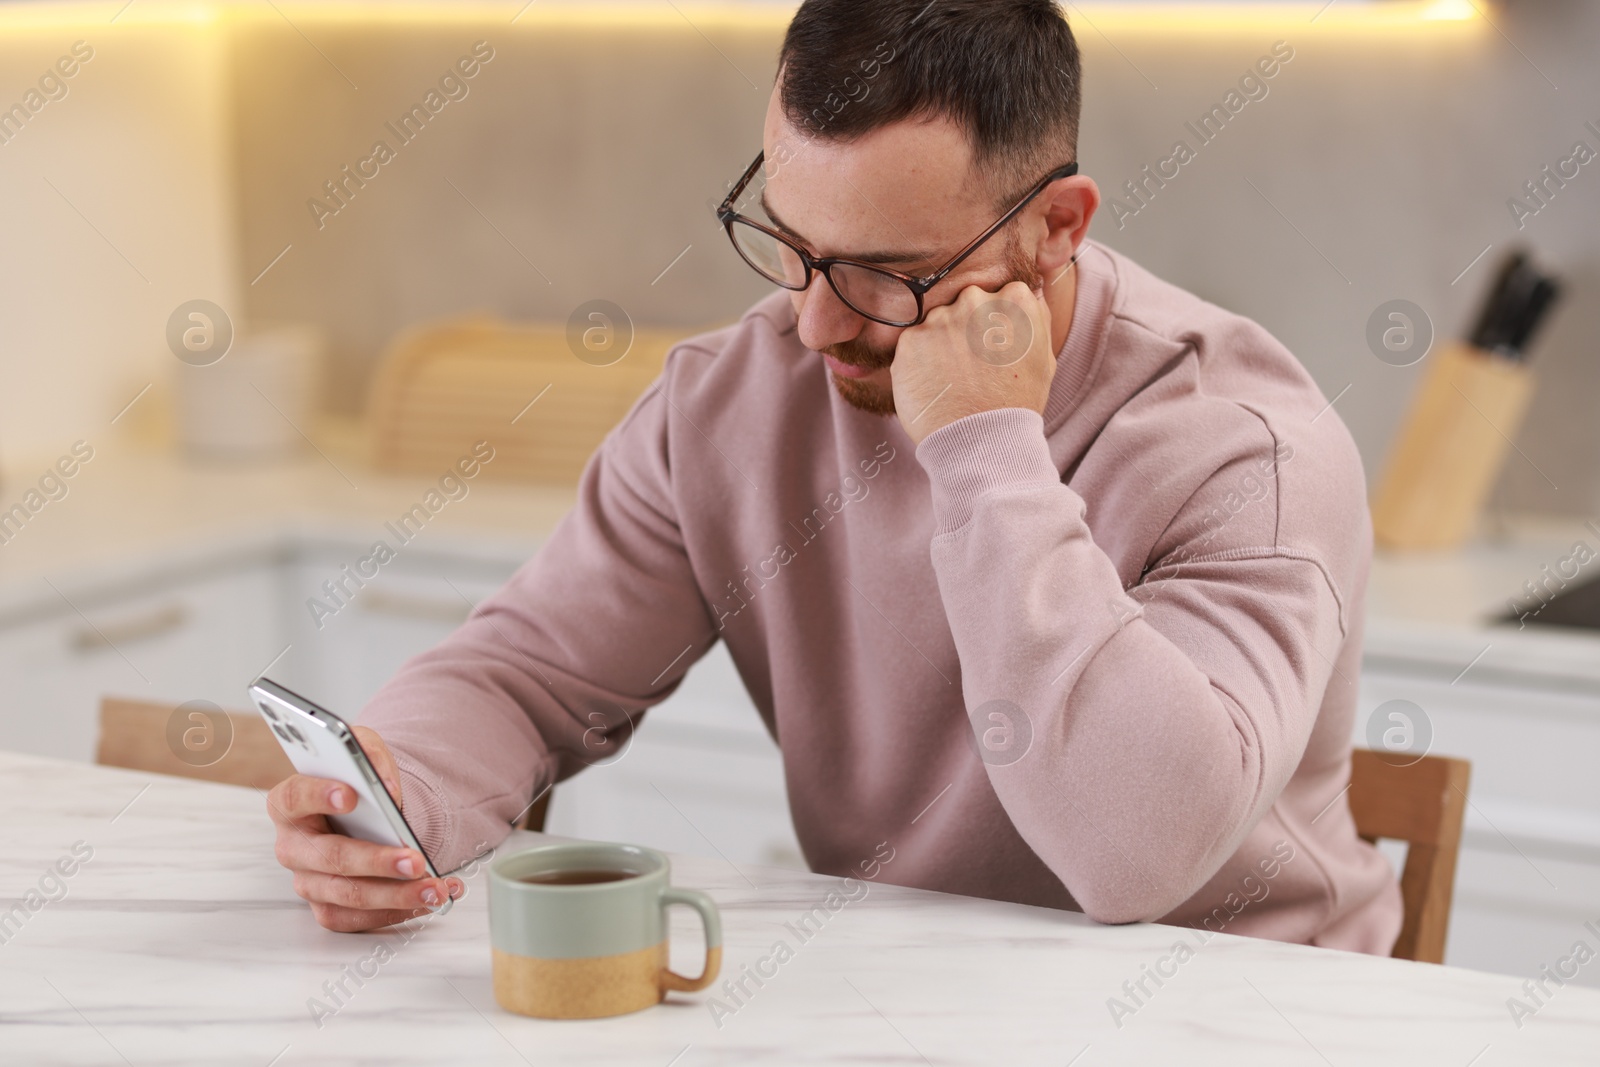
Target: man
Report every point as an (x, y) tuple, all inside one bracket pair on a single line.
[(1045, 572)]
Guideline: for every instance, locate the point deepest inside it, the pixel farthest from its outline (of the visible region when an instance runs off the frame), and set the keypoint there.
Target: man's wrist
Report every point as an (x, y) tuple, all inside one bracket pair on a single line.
[(982, 452), (424, 806)]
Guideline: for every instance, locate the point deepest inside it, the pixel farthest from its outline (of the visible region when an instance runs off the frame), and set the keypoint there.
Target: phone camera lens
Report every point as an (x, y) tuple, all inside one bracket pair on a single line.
[(295, 730), (266, 709)]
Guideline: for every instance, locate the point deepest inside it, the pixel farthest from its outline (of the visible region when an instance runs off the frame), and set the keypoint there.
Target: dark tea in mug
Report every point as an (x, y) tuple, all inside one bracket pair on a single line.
[(579, 876)]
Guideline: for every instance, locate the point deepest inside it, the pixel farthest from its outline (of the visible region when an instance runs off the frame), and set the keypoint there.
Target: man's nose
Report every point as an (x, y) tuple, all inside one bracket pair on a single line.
[(824, 319)]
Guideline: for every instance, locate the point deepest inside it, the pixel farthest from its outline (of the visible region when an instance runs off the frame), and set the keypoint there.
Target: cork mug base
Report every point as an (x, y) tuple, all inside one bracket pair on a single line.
[(592, 987)]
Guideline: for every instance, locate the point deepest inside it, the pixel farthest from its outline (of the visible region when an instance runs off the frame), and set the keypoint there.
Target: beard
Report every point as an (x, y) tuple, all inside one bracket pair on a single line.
[(878, 399)]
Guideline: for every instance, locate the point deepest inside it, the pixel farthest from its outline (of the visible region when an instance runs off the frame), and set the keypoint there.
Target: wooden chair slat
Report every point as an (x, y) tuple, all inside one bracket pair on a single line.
[(133, 734), (1424, 804)]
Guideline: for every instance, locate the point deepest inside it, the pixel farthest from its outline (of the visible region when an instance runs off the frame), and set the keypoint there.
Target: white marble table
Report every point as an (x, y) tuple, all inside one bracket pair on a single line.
[(179, 941)]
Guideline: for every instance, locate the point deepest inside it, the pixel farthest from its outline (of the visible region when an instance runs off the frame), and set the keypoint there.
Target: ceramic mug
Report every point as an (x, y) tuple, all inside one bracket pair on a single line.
[(570, 946)]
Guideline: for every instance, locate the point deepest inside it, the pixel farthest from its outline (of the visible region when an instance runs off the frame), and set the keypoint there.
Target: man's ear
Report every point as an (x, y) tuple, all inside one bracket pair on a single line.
[(1067, 205)]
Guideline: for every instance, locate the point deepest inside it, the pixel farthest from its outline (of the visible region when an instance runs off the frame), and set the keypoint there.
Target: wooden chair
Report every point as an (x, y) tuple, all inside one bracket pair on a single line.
[(534, 820), (1423, 804), (133, 734)]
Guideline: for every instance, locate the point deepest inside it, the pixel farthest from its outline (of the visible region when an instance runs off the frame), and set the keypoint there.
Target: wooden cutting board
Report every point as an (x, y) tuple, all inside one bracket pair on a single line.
[(442, 387)]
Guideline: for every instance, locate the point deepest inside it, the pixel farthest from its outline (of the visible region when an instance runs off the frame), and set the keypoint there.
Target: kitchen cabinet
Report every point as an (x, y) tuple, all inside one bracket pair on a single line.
[(701, 774), (172, 639), (1529, 872), (341, 660)]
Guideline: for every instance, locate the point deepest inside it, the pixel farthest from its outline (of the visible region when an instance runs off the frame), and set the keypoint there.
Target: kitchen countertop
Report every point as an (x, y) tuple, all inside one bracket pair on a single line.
[(1436, 609), (179, 940), (138, 508)]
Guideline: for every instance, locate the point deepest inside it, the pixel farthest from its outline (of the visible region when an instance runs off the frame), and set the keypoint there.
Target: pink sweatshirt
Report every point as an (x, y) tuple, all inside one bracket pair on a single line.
[(1150, 600)]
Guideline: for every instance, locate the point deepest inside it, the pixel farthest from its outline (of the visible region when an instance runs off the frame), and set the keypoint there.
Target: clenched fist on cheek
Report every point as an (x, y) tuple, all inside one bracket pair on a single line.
[(983, 352)]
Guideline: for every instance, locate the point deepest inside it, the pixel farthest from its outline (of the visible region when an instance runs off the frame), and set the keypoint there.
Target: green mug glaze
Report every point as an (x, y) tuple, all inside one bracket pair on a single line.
[(585, 950)]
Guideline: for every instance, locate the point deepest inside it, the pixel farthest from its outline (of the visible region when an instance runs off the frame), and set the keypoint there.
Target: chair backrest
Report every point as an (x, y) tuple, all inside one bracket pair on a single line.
[(1423, 804), (534, 819), (135, 734), (148, 737)]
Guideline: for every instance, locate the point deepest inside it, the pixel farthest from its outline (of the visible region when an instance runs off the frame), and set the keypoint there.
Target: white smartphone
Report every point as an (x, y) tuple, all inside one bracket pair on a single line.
[(322, 745)]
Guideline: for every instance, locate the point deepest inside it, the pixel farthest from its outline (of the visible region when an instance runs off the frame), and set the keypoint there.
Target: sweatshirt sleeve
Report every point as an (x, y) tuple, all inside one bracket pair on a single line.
[(1164, 724), (553, 671)]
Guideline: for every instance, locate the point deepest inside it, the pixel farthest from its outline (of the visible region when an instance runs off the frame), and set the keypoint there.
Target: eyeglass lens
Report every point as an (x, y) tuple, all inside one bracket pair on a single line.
[(870, 292)]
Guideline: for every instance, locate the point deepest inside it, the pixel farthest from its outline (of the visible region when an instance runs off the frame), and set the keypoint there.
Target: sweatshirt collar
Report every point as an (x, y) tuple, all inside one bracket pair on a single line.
[(1079, 357)]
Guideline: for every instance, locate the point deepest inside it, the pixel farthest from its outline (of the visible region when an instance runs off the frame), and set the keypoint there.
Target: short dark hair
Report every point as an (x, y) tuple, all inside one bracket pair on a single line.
[(1006, 72)]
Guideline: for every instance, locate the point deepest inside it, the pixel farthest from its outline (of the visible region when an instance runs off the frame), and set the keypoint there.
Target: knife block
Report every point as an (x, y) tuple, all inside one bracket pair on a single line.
[(1450, 449)]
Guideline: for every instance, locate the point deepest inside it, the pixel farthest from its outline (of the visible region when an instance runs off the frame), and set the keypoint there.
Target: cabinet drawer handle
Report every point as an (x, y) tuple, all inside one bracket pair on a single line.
[(377, 602), (91, 638)]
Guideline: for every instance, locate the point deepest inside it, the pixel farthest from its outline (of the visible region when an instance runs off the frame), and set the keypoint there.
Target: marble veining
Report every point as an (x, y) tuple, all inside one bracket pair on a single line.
[(180, 941)]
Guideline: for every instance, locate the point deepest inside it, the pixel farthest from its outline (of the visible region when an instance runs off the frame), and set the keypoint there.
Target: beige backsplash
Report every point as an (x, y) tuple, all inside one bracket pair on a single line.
[(580, 162)]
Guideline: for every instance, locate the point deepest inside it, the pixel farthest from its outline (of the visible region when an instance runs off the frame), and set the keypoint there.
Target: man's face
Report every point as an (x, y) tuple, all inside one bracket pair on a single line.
[(902, 197)]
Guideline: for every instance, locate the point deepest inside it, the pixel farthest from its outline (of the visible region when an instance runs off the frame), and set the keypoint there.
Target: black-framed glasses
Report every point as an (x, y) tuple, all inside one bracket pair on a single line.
[(886, 296)]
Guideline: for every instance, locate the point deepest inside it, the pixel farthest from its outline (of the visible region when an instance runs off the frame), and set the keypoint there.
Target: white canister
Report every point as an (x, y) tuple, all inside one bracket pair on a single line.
[(256, 401)]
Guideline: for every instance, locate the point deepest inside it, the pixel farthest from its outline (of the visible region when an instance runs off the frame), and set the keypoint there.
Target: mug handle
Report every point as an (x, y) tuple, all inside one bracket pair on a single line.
[(701, 903)]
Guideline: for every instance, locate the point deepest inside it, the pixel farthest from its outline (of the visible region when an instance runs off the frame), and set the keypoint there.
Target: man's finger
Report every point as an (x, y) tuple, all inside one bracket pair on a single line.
[(1040, 307), (299, 796), (382, 762), (350, 921), (371, 894), (345, 856)]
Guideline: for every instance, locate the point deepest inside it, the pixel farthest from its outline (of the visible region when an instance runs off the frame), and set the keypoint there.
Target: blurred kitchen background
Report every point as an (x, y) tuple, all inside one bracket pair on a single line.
[(372, 345)]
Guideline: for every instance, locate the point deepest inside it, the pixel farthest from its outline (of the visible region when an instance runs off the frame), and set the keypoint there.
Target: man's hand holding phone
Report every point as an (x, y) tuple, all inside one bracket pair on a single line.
[(351, 884)]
